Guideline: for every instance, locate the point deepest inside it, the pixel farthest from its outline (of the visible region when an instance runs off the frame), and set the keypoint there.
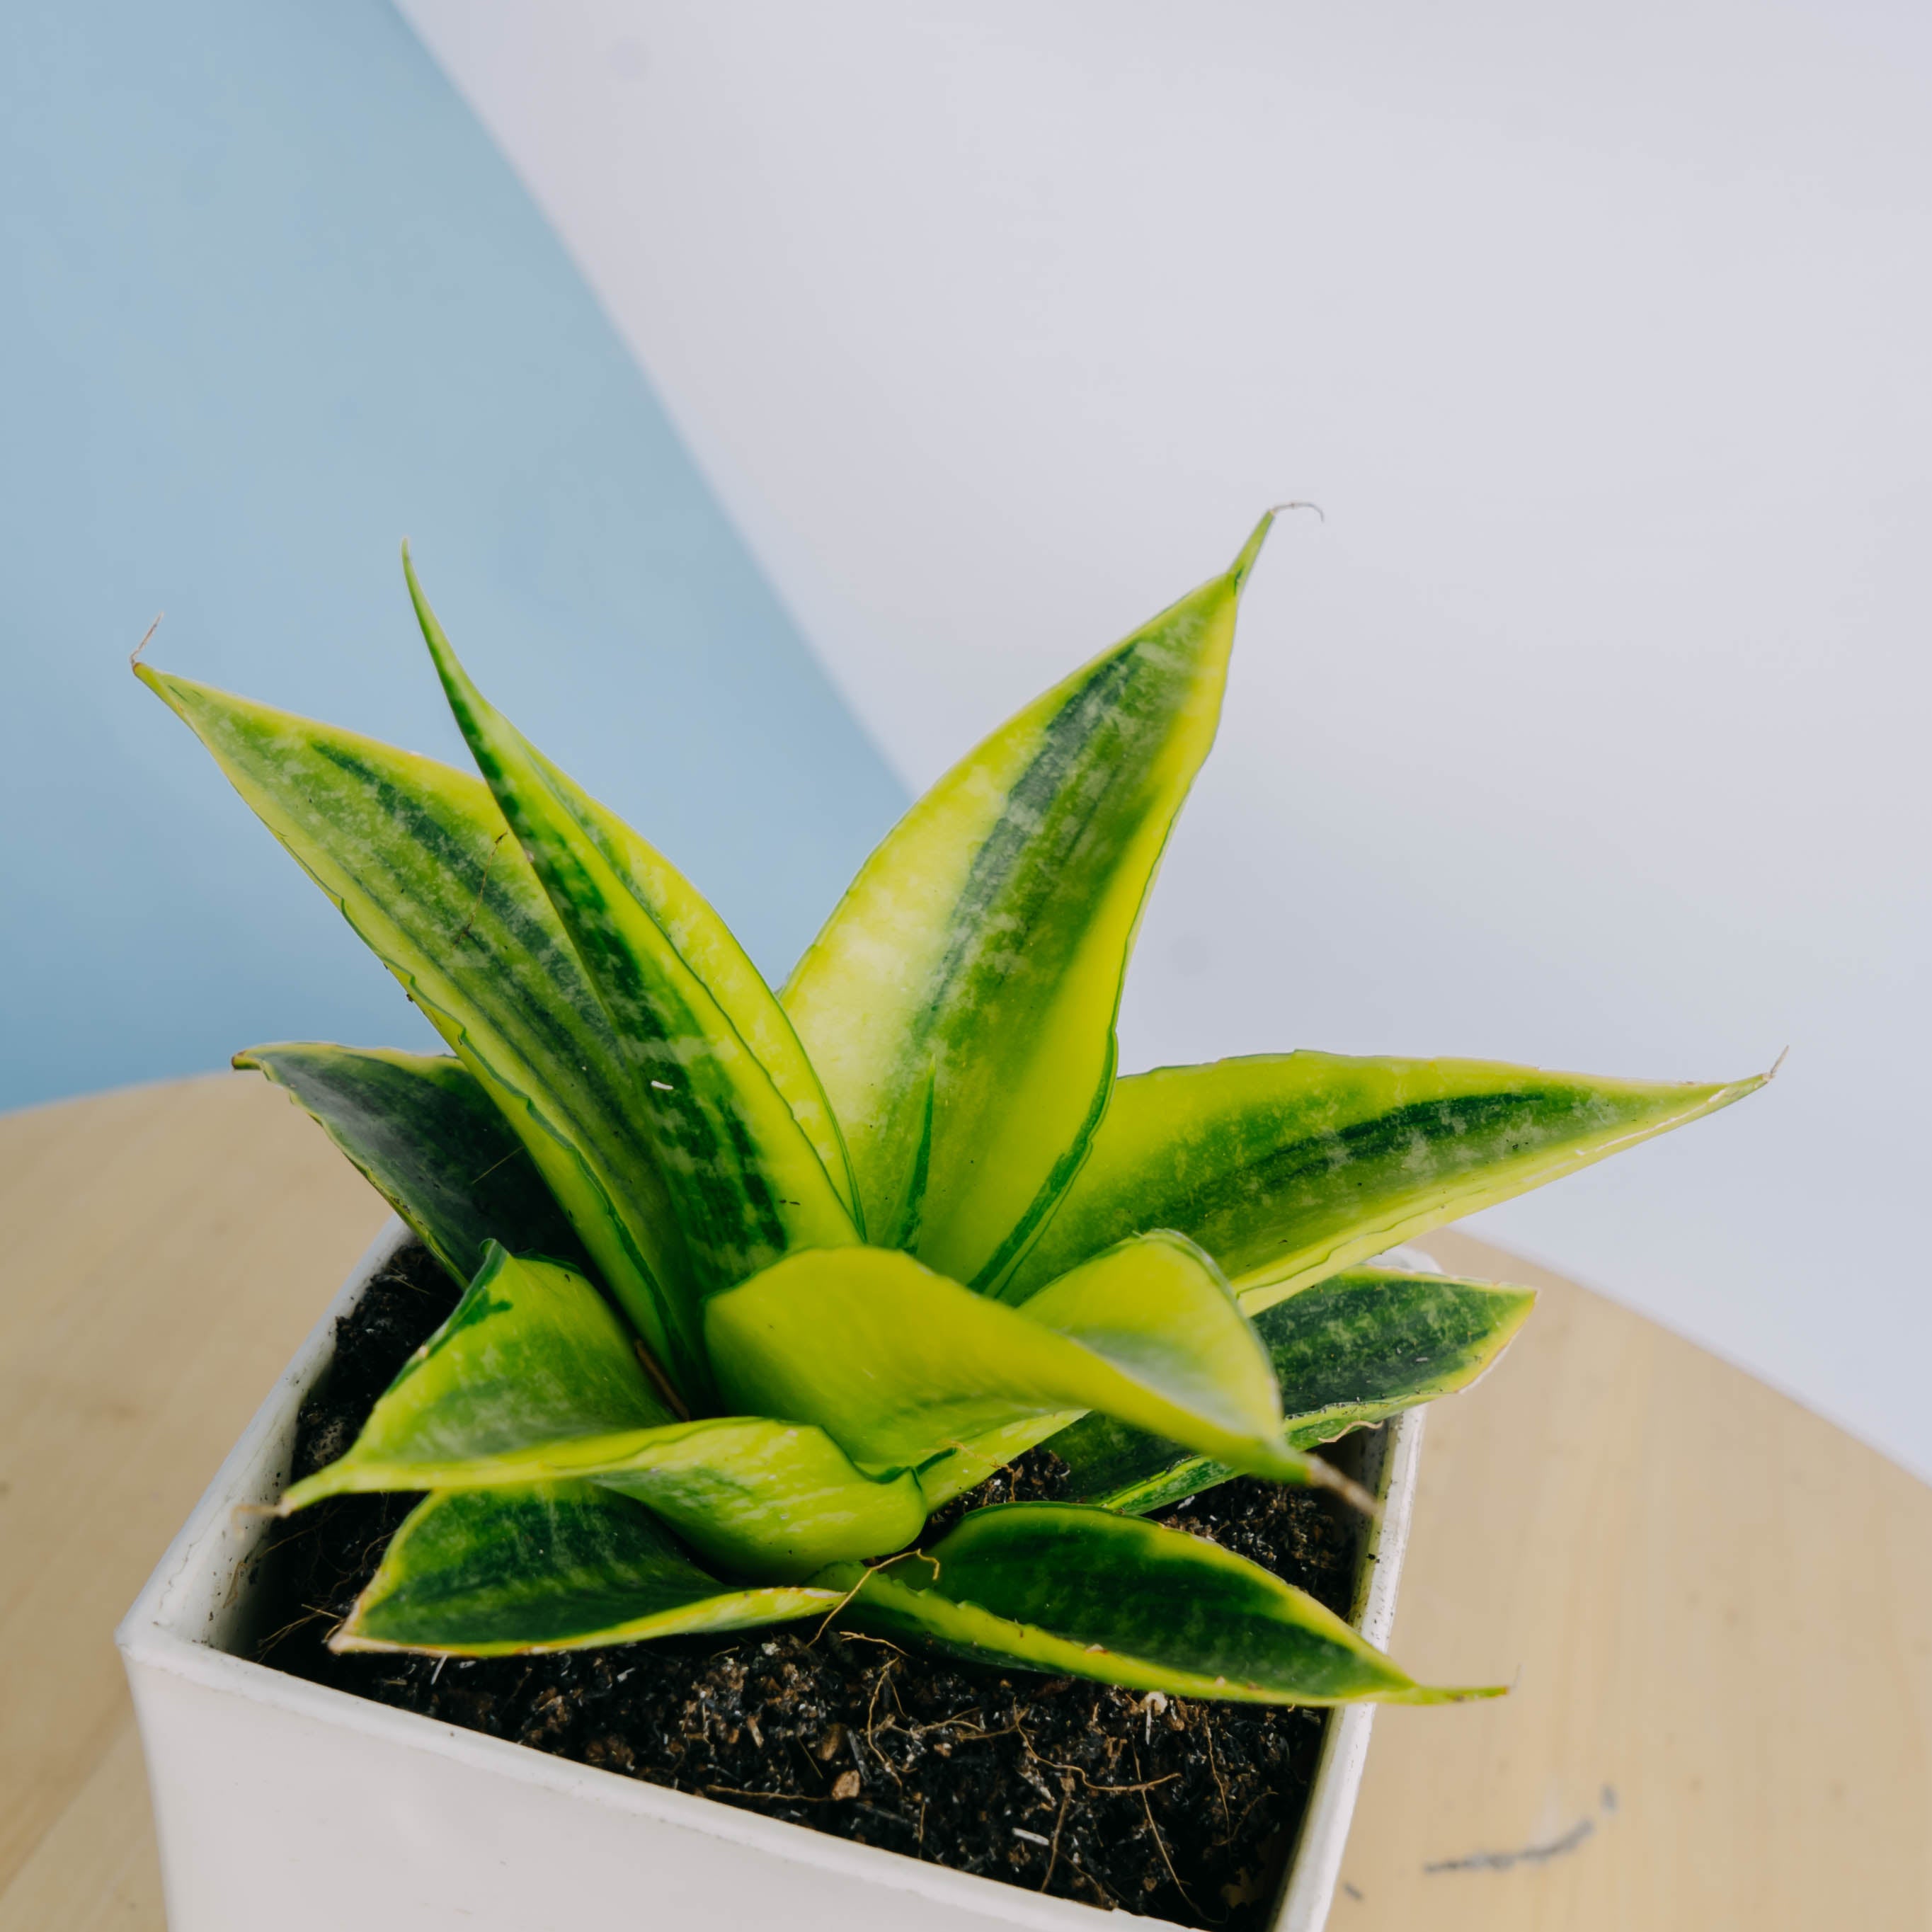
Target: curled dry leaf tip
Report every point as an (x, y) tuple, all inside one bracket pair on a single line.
[(134, 656)]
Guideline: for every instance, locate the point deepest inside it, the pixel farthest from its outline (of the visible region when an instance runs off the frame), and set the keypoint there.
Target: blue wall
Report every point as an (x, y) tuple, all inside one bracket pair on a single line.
[(272, 302)]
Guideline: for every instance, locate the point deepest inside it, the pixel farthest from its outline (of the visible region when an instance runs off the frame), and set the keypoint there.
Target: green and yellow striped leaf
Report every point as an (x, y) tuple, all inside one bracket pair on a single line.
[(419, 860), (423, 1133), (903, 1368), (746, 1182), (1087, 1593), (1350, 1350), (551, 1566), (772, 1501), (959, 1004), (1289, 1167), (531, 1355), (1369, 1342), (532, 1379)]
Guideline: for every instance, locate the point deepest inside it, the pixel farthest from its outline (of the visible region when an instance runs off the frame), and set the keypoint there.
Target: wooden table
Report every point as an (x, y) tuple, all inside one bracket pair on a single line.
[(1716, 1609)]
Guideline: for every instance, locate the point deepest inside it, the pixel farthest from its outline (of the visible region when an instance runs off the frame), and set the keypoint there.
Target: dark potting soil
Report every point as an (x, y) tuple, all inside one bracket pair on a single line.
[(1169, 1806)]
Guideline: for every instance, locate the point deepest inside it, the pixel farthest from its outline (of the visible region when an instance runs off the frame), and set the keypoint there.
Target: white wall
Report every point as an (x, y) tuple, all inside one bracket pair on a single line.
[(1589, 728)]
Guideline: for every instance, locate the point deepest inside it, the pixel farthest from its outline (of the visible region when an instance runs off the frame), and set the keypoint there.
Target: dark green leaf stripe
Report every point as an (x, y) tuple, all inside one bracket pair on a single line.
[(746, 1183), (960, 1002), (1052, 1587), (1350, 1350), (425, 1134), (419, 861), (532, 1379), (898, 1364), (552, 1566), (1287, 1167), (703, 941)]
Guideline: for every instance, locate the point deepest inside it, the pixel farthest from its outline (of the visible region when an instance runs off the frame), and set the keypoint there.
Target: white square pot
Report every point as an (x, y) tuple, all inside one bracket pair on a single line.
[(280, 1802)]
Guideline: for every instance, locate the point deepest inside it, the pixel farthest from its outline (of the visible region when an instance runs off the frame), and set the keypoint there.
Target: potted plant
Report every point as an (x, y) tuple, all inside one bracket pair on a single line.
[(756, 1333)]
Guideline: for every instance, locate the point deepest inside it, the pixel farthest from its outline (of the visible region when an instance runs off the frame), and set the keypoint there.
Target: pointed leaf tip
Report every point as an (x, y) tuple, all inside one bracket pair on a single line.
[(1287, 1169), (1449, 1693), (1242, 566), (1238, 571), (432, 632)]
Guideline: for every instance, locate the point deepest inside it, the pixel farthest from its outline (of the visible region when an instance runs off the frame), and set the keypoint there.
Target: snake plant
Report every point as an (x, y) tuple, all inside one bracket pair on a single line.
[(754, 1283)]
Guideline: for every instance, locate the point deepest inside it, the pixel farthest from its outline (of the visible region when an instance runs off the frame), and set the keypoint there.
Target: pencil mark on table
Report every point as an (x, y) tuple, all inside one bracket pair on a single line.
[(1530, 1855)]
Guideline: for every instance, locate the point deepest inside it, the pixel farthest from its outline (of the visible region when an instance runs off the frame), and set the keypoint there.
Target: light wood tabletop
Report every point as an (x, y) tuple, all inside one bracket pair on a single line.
[(1715, 1610)]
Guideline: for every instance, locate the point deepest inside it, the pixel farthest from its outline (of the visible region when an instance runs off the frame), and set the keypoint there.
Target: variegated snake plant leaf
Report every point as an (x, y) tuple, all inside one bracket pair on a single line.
[(754, 1283)]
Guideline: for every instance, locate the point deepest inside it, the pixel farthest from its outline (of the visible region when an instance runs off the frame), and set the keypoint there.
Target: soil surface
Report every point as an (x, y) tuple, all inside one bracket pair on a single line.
[(1171, 1807)]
